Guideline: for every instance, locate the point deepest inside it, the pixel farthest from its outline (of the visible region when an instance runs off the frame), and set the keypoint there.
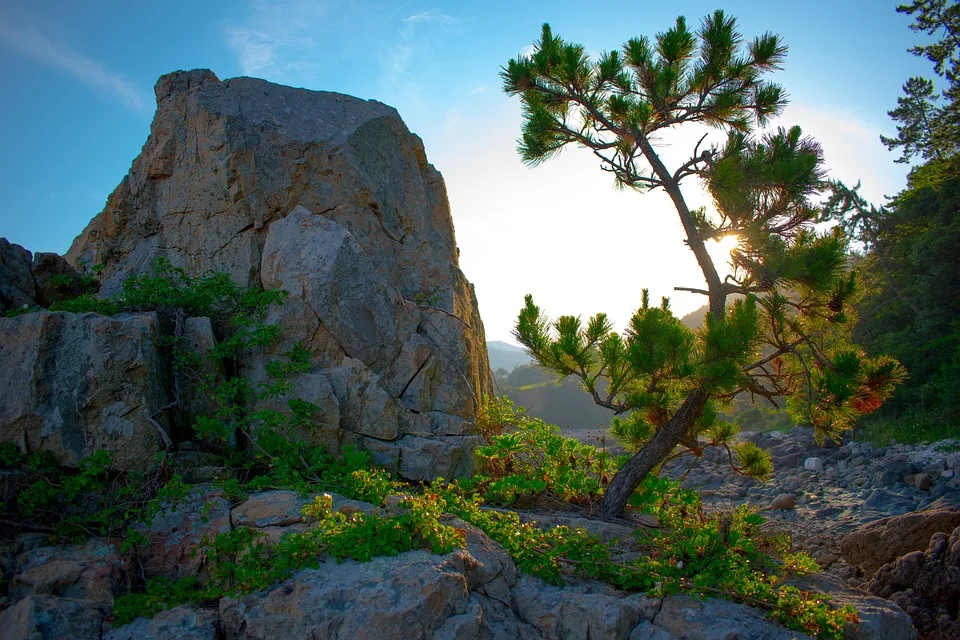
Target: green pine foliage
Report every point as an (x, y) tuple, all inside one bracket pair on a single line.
[(784, 335)]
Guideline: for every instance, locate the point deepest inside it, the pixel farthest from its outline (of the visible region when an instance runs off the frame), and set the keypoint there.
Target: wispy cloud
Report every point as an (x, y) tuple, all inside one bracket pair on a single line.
[(431, 15), (278, 36), (30, 42), (398, 59)]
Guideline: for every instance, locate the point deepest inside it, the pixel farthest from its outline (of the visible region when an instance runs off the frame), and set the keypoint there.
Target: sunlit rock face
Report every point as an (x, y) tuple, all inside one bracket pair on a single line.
[(332, 199)]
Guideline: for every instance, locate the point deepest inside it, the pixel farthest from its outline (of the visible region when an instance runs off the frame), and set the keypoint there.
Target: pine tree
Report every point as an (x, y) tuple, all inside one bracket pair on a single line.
[(779, 338), (928, 121)]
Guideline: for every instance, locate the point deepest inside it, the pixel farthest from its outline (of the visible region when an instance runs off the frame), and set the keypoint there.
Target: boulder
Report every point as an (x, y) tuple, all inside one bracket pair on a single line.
[(713, 619), (179, 623), (404, 598), (926, 584), (879, 618), (93, 570), (56, 279), (17, 288), (576, 611), (331, 199), (45, 617), (883, 541), (73, 384)]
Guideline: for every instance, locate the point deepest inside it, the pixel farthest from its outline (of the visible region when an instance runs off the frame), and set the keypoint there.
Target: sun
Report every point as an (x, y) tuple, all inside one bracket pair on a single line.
[(720, 249)]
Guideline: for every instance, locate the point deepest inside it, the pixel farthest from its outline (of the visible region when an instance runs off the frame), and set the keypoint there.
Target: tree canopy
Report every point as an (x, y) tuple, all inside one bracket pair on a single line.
[(784, 335), (929, 120)]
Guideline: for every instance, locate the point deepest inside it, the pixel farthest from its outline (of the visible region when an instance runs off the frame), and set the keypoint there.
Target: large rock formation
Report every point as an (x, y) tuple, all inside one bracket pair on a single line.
[(332, 199)]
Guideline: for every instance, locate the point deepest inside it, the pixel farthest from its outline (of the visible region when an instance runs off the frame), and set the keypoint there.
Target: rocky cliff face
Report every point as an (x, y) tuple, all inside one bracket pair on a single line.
[(332, 199)]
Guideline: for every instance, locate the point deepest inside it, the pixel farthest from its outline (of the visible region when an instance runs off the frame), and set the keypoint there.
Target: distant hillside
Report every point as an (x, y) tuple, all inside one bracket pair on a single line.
[(506, 356)]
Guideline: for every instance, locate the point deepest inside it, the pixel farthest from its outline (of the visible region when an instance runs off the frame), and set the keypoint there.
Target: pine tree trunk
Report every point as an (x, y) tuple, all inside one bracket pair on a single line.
[(643, 461)]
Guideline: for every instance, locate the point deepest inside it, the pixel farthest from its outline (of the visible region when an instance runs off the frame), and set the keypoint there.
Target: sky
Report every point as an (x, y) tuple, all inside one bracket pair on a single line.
[(78, 100)]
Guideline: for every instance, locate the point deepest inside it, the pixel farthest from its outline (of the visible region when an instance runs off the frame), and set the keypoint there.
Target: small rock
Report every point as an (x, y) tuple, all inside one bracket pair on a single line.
[(923, 481), (784, 502), (813, 464)]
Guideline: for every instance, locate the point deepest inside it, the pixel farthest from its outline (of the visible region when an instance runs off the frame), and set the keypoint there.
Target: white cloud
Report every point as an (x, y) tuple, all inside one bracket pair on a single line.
[(431, 15), (30, 42), (277, 38)]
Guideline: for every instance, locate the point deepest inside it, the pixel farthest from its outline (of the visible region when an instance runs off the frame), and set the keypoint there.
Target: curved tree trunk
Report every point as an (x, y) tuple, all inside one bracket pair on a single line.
[(653, 453)]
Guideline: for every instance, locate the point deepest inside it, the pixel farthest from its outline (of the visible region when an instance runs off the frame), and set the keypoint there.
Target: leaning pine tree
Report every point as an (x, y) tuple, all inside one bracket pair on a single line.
[(782, 335)]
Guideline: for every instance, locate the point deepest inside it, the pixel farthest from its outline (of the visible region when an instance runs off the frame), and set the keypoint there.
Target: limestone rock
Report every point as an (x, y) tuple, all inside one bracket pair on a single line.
[(179, 623), (17, 288), (883, 541), (926, 584), (44, 617), (332, 199), (91, 571), (73, 384), (404, 598)]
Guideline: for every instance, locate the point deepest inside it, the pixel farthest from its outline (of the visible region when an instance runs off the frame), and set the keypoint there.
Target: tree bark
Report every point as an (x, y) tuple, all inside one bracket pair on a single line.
[(647, 458)]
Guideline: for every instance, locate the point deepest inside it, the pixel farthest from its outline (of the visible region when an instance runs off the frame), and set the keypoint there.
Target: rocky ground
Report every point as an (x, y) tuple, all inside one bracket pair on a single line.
[(820, 494)]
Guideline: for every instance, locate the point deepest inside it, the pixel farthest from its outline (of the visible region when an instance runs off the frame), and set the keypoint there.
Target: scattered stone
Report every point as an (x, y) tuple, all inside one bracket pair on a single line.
[(813, 464)]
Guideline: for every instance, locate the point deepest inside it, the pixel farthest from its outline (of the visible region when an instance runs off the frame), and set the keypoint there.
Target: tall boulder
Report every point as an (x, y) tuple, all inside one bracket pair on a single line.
[(331, 199)]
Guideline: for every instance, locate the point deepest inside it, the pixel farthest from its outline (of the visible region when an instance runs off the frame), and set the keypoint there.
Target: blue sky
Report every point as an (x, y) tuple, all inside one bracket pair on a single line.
[(78, 101)]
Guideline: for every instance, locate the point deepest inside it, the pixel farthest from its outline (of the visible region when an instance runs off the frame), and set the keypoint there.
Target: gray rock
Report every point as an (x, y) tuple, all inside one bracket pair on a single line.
[(17, 288), (55, 278), (73, 384), (93, 571), (407, 597), (813, 464), (712, 619), (179, 623), (45, 617), (576, 611), (175, 533), (332, 199), (923, 482)]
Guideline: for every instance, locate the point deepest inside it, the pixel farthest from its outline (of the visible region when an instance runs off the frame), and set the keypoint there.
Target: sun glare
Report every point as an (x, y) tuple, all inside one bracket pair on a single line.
[(720, 251)]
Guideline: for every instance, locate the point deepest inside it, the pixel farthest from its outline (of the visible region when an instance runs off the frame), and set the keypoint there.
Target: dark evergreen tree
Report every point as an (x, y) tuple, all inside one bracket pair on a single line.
[(929, 121), (665, 382)]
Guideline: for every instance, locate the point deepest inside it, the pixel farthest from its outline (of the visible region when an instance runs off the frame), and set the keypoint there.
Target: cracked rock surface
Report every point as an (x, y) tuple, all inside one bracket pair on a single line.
[(329, 198)]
